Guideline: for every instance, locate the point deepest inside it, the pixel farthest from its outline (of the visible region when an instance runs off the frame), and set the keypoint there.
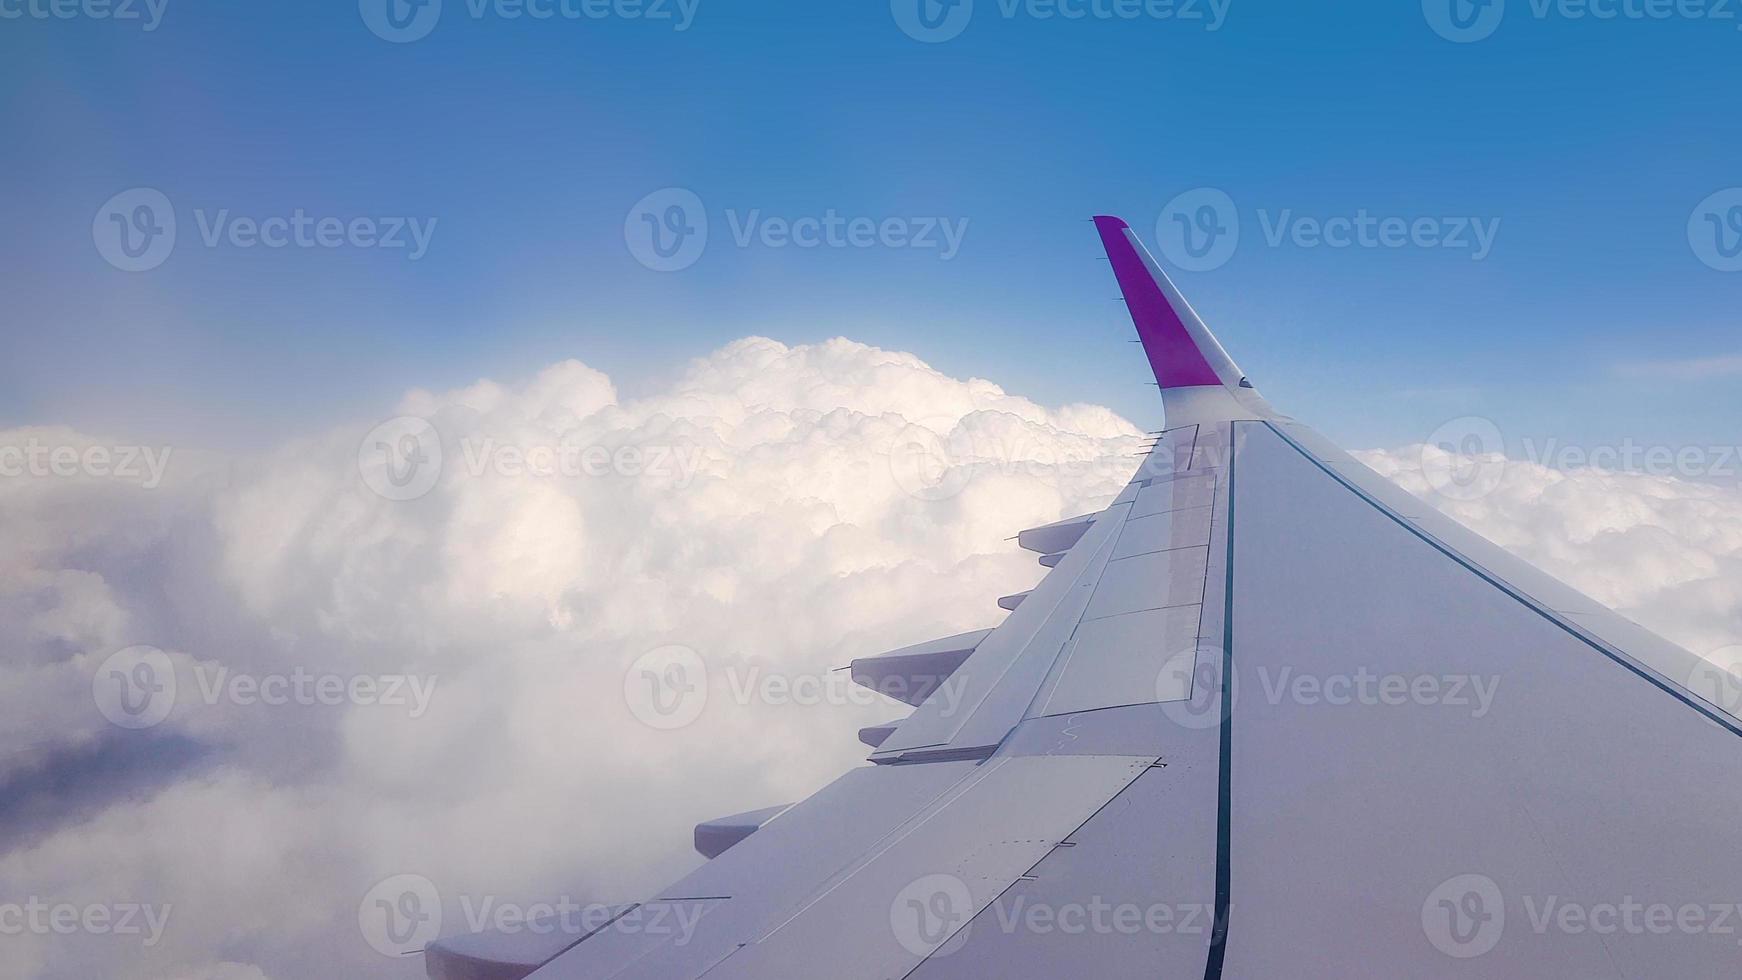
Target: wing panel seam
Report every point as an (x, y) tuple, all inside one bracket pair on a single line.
[(1224, 789)]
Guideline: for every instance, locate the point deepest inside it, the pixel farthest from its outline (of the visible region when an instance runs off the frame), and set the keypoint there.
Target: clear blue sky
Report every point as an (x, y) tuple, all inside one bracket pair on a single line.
[(1591, 141)]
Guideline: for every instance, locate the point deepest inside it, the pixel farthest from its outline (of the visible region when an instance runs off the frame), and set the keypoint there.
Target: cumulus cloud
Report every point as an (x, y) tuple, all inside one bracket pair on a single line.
[(777, 510), (518, 552)]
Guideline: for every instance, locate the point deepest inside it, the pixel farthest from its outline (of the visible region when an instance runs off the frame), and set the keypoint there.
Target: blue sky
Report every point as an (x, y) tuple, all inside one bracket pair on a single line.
[(1592, 142)]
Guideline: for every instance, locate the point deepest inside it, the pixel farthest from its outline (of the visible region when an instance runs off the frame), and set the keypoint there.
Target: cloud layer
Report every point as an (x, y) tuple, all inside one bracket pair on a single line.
[(519, 552), (778, 511)]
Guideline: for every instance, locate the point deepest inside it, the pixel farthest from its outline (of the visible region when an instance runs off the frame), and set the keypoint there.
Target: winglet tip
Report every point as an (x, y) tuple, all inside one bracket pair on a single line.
[(1181, 350)]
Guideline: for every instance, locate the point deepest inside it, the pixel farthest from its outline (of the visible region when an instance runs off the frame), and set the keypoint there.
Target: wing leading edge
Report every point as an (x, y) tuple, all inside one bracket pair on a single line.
[(1267, 714)]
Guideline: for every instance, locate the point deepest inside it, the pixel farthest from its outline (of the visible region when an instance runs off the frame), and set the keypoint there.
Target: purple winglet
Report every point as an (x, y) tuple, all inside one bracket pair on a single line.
[(1173, 354)]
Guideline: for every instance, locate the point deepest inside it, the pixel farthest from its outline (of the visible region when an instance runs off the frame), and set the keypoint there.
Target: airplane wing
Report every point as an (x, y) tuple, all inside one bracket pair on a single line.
[(1268, 715)]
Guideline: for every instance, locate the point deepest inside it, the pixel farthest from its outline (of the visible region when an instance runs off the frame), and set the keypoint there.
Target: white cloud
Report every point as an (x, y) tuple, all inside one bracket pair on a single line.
[(778, 534), (816, 503)]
